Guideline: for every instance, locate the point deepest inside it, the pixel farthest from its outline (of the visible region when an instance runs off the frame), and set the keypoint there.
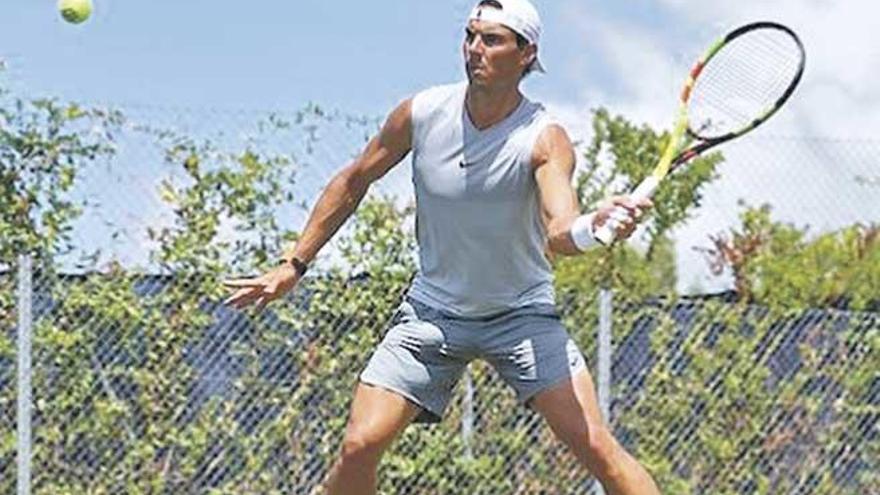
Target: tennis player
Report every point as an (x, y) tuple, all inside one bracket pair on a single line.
[(493, 183)]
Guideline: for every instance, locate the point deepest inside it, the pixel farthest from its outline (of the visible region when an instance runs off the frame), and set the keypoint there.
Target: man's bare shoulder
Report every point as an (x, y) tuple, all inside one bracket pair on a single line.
[(553, 142)]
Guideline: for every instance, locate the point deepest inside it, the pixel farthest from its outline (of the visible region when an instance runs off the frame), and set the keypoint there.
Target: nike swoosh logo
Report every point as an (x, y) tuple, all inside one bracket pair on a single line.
[(464, 164)]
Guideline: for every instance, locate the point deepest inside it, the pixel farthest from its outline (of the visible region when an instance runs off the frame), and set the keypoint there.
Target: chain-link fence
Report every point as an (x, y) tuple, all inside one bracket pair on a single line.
[(142, 382), (816, 184), (140, 385)]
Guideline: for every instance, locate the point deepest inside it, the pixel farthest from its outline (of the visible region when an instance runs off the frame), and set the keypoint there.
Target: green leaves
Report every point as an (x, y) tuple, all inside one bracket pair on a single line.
[(43, 146), (618, 157), (713, 417), (781, 266), (136, 395), (622, 154)]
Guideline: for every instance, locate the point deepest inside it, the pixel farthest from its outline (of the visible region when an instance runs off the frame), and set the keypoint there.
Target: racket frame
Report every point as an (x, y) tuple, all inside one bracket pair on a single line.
[(672, 158)]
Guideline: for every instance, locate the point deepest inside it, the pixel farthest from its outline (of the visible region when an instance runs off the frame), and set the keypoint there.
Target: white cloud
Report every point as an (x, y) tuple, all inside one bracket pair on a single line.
[(839, 95), (574, 117), (642, 85), (640, 63), (645, 64)]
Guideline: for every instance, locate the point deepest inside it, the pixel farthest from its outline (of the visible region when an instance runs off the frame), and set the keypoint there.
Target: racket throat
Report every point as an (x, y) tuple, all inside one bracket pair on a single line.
[(646, 188)]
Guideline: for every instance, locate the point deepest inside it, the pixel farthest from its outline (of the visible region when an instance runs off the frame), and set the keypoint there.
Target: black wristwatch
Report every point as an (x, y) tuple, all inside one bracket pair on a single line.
[(300, 266)]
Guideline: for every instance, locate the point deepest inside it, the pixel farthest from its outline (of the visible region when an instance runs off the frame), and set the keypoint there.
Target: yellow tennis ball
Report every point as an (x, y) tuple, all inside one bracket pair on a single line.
[(75, 11)]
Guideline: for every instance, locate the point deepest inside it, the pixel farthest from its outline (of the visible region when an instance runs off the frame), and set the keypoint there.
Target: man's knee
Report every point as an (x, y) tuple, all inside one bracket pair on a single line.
[(362, 448), (603, 451), (597, 449)]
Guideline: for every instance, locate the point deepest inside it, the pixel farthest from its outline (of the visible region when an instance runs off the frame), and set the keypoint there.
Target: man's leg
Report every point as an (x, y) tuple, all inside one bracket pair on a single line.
[(572, 411), (377, 417)]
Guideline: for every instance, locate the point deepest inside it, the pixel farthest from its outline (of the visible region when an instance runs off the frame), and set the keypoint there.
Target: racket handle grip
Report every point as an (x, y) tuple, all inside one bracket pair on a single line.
[(607, 233)]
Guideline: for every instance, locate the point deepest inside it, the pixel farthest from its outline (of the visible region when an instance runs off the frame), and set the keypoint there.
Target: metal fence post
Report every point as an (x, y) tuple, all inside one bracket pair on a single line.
[(604, 351), (24, 338), (467, 416)]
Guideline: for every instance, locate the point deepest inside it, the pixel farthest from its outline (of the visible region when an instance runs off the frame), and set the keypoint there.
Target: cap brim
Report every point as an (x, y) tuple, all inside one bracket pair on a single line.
[(539, 67)]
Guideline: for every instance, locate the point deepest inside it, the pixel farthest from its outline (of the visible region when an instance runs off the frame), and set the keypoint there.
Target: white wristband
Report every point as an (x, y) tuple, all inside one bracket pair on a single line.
[(582, 232)]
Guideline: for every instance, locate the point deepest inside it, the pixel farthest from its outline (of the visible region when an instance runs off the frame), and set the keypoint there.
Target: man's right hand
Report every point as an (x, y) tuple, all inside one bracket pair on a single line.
[(263, 289), (625, 211)]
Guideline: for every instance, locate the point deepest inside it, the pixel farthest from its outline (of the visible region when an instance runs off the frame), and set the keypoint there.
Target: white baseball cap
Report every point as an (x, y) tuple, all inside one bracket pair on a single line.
[(519, 15)]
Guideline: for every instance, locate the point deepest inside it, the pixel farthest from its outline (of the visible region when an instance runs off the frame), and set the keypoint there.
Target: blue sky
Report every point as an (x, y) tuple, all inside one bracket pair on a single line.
[(363, 57), (355, 55)]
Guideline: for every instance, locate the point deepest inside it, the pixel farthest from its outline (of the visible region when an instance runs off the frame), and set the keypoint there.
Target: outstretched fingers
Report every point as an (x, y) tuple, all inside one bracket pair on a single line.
[(244, 282), (261, 290), (243, 297)]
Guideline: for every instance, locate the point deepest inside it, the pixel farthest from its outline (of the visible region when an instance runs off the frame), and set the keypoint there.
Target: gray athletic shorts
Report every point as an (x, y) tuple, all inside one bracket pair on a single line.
[(426, 350)]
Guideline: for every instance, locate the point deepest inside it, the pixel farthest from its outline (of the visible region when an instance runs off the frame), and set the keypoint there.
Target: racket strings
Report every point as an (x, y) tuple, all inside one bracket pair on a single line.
[(744, 87), (746, 79), (743, 81), (722, 108), (766, 67)]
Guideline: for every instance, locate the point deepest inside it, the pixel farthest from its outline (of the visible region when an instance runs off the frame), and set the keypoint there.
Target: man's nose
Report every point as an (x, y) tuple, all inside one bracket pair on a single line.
[(475, 44)]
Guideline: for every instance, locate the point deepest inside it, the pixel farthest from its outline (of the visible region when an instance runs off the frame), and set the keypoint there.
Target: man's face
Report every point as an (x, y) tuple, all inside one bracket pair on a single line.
[(491, 53)]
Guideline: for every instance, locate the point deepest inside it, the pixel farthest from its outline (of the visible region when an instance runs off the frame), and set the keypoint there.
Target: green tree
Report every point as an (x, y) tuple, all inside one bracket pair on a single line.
[(781, 265), (122, 406), (44, 146), (619, 156), (723, 412)]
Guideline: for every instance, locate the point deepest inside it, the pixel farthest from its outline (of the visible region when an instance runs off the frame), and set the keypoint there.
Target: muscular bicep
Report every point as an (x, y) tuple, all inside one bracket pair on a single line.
[(387, 148), (554, 162)]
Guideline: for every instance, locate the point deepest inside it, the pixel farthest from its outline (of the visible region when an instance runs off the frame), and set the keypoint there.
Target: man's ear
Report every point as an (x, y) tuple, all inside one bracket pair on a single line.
[(531, 54)]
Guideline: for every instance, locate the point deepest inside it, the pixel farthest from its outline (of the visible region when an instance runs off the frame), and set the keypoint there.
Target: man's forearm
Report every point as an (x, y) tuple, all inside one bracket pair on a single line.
[(339, 200)]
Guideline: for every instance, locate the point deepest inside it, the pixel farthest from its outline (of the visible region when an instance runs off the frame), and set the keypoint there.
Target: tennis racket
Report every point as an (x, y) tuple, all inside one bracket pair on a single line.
[(741, 81)]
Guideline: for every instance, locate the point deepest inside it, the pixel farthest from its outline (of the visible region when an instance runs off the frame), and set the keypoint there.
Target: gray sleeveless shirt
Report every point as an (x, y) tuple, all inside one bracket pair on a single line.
[(478, 217)]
